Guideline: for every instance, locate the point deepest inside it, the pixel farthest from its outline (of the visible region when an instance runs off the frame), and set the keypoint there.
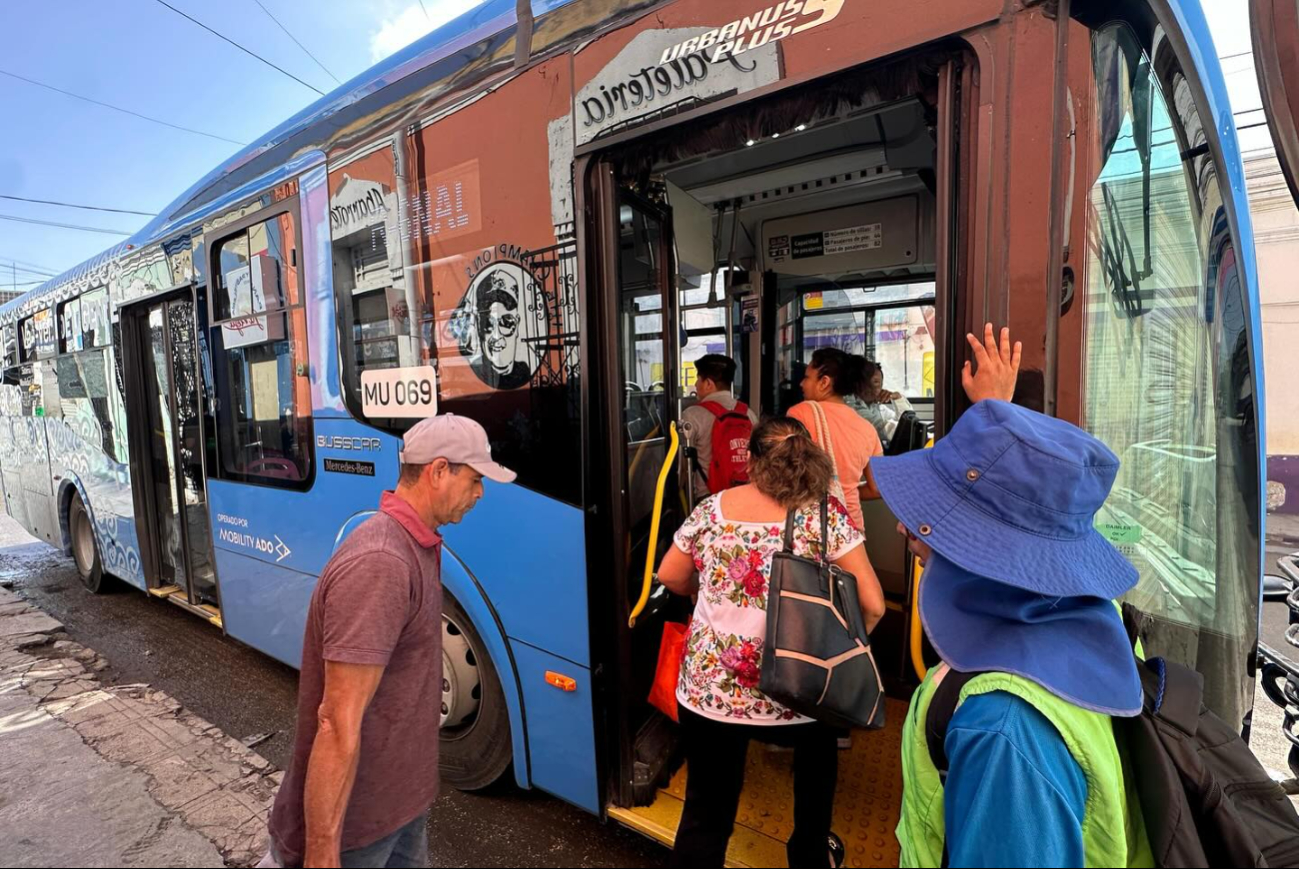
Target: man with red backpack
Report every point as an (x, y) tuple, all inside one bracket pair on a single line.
[(716, 430)]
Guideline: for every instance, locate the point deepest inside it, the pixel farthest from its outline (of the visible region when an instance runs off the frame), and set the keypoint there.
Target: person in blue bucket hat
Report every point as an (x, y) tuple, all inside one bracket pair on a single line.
[(1017, 599)]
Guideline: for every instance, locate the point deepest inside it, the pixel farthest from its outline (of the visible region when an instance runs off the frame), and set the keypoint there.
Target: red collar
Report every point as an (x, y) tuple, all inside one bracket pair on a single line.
[(406, 516)]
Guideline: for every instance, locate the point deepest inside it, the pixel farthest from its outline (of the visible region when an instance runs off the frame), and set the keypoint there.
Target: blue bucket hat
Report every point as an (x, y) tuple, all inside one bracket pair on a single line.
[(1011, 495), (978, 625), (1007, 502)]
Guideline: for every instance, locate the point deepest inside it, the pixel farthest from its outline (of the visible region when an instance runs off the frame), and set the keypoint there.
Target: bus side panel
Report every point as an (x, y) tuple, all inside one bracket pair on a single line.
[(528, 552), (79, 462), (300, 530), (561, 729), (34, 478), (264, 605), (10, 462)]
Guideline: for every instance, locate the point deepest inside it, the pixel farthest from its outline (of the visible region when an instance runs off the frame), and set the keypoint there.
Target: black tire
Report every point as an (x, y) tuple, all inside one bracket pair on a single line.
[(85, 548), (477, 753)]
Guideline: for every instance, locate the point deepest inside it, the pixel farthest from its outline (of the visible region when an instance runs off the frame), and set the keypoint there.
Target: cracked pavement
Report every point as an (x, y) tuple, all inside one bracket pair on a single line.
[(100, 775)]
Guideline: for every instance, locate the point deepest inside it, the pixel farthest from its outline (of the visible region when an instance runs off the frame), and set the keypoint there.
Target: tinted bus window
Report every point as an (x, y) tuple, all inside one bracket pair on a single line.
[(37, 336), (468, 266), (71, 338), (83, 397), (95, 321), (1161, 281), (259, 350), (9, 337)]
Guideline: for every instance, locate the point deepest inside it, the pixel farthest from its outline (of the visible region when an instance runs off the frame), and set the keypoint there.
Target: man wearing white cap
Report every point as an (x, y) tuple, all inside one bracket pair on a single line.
[(365, 765)]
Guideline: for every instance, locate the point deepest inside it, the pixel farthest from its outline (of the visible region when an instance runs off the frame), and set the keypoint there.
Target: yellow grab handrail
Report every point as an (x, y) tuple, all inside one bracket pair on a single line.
[(917, 631), (653, 545)]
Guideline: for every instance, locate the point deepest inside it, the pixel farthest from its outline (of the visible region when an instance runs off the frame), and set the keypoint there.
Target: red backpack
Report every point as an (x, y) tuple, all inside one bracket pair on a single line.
[(731, 433)]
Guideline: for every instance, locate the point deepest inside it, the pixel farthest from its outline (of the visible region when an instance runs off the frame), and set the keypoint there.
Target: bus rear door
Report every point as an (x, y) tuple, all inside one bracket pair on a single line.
[(166, 434)]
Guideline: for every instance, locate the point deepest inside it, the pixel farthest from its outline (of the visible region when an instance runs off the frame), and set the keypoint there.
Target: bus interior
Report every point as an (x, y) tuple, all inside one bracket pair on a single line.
[(766, 233)]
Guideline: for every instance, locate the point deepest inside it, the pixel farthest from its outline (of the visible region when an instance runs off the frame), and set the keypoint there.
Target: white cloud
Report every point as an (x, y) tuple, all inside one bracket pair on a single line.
[(411, 23)]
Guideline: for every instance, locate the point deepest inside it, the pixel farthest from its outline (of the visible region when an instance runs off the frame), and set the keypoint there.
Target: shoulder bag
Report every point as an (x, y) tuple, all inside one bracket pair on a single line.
[(817, 658)]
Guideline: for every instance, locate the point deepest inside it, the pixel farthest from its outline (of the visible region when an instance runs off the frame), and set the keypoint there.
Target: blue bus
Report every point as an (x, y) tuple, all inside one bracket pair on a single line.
[(541, 222)]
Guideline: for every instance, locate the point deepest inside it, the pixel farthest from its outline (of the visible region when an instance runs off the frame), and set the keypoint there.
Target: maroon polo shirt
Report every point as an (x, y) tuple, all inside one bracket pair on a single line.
[(379, 601)]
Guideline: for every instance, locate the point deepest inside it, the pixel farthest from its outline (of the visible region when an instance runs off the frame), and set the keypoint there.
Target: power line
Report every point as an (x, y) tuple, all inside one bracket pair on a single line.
[(84, 207), (240, 47), (295, 41), (62, 225), (43, 268), (1236, 55), (118, 108), (38, 273), (425, 8)]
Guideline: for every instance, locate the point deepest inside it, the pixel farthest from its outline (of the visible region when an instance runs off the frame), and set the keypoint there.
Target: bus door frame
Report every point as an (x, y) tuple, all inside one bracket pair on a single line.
[(135, 367), (599, 200)]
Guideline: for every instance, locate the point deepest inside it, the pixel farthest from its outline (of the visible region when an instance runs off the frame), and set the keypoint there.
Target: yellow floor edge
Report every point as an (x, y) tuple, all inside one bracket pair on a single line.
[(867, 802), (748, 849)]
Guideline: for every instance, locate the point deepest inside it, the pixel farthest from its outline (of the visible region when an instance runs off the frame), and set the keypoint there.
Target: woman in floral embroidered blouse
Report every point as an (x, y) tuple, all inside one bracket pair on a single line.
[(723, 553)]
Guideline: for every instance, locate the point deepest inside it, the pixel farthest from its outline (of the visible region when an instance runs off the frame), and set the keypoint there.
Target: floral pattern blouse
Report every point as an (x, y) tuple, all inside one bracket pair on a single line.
[(723, 659)]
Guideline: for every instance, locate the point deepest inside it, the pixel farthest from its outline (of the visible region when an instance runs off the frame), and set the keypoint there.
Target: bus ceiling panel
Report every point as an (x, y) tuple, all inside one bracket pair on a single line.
[(897, 132), (1275, 26)]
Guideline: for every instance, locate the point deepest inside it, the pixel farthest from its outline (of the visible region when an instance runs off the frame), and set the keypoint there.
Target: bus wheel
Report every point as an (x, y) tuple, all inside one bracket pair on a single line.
[(85, 550), (474, 750)]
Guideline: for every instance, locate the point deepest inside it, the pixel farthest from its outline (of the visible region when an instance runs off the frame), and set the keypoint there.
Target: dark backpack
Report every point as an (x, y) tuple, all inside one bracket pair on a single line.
[(1205, 798), (731, 432)]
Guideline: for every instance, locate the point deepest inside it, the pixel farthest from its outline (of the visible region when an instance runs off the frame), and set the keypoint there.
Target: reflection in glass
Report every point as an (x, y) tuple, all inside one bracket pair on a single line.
[(1156, 281), (162, 454)]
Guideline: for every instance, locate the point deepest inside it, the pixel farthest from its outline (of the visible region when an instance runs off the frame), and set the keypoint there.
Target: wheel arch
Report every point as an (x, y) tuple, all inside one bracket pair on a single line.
[(459, 583), (69, 486)]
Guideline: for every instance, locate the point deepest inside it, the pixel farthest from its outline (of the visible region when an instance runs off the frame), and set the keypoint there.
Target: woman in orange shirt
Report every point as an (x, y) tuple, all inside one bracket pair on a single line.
[(831, 377)]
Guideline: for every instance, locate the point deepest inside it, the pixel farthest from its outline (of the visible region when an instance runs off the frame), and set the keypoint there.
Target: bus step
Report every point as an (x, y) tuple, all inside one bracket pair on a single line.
[(164, 590), (866, 804), (205, 611)]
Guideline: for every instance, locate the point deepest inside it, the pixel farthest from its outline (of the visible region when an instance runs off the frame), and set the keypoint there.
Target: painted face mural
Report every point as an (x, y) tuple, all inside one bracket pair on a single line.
[(493, 329)]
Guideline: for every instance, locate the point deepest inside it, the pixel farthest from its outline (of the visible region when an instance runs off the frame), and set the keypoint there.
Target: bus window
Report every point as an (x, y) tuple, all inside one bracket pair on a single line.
[(37, 336), (95, 320), (882, 323), (7, 335), (70, 334), (1159, 284), (259, 354), (447, 254), (83, 380)]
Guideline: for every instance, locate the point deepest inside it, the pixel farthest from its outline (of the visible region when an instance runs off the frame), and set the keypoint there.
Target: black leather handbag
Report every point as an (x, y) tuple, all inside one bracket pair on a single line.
[(817, 657)]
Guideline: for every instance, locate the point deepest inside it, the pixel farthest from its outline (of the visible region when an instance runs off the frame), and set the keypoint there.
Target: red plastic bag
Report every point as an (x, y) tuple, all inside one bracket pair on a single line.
[(663, 694)]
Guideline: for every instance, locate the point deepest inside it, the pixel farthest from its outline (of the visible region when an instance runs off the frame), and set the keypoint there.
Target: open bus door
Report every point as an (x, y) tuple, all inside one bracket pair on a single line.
[(640, 386), (165, 423)]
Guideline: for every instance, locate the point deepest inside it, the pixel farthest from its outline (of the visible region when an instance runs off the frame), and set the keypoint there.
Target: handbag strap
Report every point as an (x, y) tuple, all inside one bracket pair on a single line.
[(823, 433), (825, 530)]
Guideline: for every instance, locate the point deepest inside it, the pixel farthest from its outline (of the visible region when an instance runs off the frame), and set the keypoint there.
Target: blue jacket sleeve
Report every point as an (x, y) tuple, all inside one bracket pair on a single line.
[(1014, 795)]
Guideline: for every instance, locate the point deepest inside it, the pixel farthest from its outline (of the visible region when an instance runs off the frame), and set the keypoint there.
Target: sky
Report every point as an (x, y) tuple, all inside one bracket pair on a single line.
[(142, 56)]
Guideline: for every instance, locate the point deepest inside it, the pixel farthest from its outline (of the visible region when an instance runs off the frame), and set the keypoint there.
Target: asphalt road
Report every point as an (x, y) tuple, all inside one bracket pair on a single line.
[(246, 694)]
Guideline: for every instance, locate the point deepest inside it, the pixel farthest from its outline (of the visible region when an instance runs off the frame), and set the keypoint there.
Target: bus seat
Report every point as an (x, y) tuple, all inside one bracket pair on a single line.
[(910, 434), (886, 548)]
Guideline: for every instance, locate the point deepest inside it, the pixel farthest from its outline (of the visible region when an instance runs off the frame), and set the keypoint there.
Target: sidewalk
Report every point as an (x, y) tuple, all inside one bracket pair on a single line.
[(122, 776)]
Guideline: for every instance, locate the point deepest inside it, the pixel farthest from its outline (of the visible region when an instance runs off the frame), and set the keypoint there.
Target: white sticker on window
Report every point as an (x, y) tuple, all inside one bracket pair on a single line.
[(399, 392)]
